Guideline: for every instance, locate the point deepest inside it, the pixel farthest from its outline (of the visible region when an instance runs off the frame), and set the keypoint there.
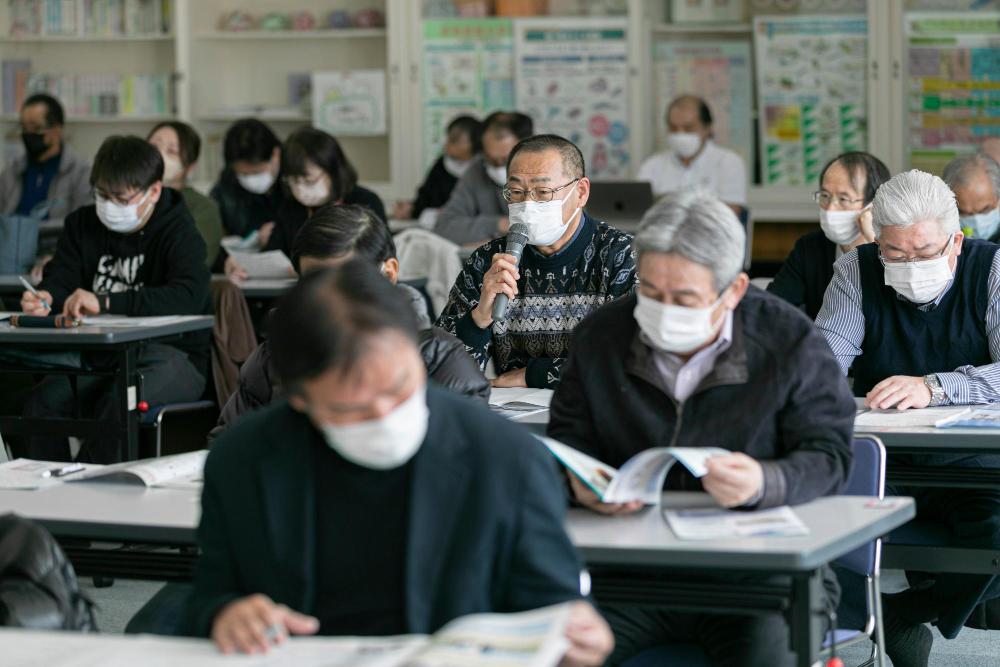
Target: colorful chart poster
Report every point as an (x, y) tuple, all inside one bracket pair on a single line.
[(468, 67), (811, 89), (572, 78), (954, 93), (349, 103), (717, 71)]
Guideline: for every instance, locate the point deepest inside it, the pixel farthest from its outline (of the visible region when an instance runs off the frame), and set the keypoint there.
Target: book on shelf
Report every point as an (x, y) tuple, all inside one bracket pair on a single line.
[(89, 18)]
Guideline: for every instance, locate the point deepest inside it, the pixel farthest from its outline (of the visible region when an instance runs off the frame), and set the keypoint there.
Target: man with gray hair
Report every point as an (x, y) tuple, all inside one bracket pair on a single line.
[(917, 316), (695, 348), (975, 180)]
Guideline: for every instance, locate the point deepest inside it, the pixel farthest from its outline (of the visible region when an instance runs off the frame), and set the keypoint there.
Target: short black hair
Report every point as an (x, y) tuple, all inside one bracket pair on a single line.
[(188, 141), (572, 159), (323, 150), (126, 163), (470, 127), (325, 321), (704, 112), (336, 230), (54, 114), (860, 164), (518, 124), (249, 140)]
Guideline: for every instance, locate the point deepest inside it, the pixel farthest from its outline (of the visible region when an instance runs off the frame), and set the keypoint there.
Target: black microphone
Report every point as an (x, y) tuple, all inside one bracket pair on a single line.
[(517, 238)]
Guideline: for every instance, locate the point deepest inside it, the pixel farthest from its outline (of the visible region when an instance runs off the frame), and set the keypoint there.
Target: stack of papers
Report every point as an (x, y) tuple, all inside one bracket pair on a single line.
[(715, 524), (928, 417)]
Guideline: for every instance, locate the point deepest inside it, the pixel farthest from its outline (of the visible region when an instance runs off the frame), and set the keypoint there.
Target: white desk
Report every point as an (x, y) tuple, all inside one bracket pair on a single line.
[(122, 343), (617, 549), (24, 648)]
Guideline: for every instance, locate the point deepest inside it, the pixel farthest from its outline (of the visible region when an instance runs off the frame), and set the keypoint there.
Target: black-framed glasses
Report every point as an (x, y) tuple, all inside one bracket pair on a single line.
[(919, 258), (824, 199), (518, 195)]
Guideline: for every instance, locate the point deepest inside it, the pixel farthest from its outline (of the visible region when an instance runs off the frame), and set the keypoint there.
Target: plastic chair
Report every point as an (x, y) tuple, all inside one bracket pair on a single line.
[(867, 478)]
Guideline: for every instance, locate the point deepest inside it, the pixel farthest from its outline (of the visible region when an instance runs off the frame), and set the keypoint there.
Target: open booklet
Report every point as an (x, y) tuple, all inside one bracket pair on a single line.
[(28, 474), (714, 523), (514, 403), (642, 476), (980, 416), (176, 471), (526, 639), (270, 264)]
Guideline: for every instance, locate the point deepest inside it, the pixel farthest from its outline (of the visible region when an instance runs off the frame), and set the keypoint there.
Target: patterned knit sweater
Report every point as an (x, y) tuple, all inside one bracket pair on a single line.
[(555, 294)]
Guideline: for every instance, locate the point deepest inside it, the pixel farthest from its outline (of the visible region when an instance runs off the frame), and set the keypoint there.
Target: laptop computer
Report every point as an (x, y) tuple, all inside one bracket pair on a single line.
[(621, 204)]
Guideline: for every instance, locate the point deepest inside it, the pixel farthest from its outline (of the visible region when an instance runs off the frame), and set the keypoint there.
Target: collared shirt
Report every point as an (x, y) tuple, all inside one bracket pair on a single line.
[(842, 321), (716, 169), (682, 378)]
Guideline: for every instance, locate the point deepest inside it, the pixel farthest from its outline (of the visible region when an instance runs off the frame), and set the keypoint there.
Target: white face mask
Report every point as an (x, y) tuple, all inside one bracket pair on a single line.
[(674, 329), (982, 225), (684, 144), (543, 218), (920, 282), (497, 174), (121, 218), (840, 227), (311, 195), (384, 443), (173, 170), (458, 167), (256, 183)]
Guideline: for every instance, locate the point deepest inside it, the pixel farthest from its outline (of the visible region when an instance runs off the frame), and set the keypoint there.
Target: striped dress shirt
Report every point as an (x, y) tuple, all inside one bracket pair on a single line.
[(842, 321)]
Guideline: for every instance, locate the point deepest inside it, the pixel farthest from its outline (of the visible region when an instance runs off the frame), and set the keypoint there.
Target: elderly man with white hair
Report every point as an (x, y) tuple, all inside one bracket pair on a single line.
[(975, 180), (699, 358), (917, 316)]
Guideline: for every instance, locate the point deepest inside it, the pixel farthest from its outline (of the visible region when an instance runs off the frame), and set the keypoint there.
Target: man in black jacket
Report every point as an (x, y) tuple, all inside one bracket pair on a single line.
[(374, 503), (696, 359), (136, 252), (335, 234)]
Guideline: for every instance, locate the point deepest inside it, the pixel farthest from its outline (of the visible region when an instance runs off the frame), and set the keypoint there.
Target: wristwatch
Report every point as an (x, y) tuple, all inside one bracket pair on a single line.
[(938, 397)]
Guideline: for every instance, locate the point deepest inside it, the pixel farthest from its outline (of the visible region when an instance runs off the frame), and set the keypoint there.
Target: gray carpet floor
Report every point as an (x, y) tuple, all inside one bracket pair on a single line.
[(973, 648)]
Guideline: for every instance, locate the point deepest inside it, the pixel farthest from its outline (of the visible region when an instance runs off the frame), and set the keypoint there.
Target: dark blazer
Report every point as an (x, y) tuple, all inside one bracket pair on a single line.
[(485, 518), (806, 273), (775, 394)]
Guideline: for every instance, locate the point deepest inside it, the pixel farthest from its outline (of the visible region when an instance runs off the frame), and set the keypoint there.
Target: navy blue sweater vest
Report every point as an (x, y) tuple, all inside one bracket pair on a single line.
[(901, 339)]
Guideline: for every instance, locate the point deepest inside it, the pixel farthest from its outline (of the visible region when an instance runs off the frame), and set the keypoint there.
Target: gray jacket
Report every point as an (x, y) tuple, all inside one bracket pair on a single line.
[(474, 209), (69, 190)]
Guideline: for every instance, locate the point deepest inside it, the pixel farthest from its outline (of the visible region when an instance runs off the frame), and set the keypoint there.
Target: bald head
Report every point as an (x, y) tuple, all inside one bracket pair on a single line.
[(689, 113)]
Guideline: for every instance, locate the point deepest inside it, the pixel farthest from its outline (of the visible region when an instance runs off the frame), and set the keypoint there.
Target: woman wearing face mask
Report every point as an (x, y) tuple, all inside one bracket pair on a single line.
[(330, 238), (847, 186), (316, 173), (179, 145), (462, 143), (248, 192)]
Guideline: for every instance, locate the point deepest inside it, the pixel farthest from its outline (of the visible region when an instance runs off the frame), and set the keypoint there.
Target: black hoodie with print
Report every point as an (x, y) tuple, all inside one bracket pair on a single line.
[(159, 270)]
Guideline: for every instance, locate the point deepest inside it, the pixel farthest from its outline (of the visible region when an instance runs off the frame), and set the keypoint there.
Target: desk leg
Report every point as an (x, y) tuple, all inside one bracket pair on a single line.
[(128, 417), (806, 621)]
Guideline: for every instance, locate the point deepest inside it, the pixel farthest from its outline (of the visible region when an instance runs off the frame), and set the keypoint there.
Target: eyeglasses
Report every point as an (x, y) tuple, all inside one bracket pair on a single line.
[(824, 199), (917, 259), (517, 195)]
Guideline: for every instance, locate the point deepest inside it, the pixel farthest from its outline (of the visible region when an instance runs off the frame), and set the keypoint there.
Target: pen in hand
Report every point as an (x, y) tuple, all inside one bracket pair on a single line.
[(31, 288)]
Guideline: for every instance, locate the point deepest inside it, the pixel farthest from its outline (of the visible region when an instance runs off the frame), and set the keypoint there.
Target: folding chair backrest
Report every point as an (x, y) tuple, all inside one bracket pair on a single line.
[(867, 478)]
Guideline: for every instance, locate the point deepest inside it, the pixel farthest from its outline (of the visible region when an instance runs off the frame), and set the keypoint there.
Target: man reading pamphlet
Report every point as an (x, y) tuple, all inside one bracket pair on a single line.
[(698, 359)]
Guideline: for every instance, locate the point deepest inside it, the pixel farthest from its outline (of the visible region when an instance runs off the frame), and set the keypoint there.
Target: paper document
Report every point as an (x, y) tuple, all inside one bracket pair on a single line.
[(520, 399), (125, 321), (894, 418), (982, 416), (714, 524), (250, 242), (5, 316), (179, 469), (270, 264), (642, 476), (26, 474)]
